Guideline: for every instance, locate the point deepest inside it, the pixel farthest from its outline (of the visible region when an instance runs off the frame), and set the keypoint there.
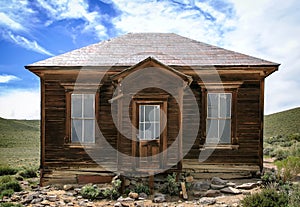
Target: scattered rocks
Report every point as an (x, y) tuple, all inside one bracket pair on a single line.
[(231, 190), (139, 204), (218, 181), (207, 201), (231, 184)]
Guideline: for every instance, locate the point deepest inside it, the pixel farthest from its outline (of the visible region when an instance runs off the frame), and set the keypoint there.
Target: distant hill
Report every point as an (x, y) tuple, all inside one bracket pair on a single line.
[(19, 142), (282, 123)]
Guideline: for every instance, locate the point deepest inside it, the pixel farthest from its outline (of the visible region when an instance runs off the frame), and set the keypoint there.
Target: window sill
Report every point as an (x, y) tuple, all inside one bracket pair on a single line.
[(80, 145), (219, 146)]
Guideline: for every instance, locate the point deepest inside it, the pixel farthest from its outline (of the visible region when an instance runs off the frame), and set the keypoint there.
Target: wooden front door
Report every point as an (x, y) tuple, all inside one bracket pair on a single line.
[(149, 137)]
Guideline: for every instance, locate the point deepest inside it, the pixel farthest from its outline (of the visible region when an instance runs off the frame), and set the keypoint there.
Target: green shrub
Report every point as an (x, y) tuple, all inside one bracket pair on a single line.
[(295, 136), (28, 173), (141, 188), (286, 144), (14, 185), (5, 170), (6, 192), (268, 177), (89, 192), (6, 179), (268, 197), (294, 197), (113, 193), (280, 154), (289, 168), (171, 186)]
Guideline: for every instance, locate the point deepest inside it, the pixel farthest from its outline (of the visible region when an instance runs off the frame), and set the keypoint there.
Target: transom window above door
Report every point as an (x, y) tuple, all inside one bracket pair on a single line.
[(149, 122)]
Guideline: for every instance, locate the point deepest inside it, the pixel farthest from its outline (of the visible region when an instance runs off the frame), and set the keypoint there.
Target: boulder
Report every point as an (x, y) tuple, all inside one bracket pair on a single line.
[(231, 190), (218, 181), (207, 201), (212, 193), (247, 186), (216, 187), (201, 186)]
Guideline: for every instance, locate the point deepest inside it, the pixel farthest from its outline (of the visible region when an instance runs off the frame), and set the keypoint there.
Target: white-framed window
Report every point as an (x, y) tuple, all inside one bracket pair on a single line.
[(218, 122), (83, 118), (149, 122)]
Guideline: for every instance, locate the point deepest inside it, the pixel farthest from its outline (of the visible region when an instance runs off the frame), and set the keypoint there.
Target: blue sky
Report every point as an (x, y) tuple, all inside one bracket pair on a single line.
[(32, 30)]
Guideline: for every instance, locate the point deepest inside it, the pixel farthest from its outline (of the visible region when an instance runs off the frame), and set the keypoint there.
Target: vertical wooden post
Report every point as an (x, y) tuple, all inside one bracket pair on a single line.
[(42, 129), (151, 184), (180, 105), (261, 117)]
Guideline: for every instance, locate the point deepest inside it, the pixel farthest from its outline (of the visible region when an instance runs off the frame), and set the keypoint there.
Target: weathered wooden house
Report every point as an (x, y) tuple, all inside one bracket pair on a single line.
[(198, 108)]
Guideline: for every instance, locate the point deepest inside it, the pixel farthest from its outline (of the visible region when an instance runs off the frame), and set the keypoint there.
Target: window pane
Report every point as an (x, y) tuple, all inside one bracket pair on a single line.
[(225, 105), (89, 105), (141, 112), (225, 131), (157, 131), (89, 131), (141, 131), (212, 105), (212, 129), (148, 111), (76, 105), (76, 130), (157, 113)]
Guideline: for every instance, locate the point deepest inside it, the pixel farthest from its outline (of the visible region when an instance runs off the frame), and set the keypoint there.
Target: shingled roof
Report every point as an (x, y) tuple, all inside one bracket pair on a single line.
[(171, 49)]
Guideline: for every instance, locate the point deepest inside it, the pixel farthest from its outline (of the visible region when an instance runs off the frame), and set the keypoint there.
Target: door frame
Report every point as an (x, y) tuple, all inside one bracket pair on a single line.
[(157, 100)]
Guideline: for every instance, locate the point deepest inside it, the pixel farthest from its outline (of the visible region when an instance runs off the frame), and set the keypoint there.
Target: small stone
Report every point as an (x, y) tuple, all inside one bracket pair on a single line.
[(133, 195), (139, 204), (189, 179), (126, 182), (231, 184), (52, 198), (218, 181), (201, 186), (68, 187), (118, 204), (36, 200), (231, 190), (143, 196), (207, 201), (198, 193), (79, 197), (159, 198), (15, 198), (247, 186), (217, 187), (212, 193), (45, 202), (70, 204)]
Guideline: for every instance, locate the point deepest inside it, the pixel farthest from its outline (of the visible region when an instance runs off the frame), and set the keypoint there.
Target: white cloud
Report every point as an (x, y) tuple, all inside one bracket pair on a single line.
[(190, 19), (7, 78), (74, 9), (270, 29), (8, 22), (12, 108), (25, 43)]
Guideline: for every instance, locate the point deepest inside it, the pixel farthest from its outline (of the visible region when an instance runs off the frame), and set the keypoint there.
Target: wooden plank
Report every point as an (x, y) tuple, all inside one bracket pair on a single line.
[(184, 193)]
